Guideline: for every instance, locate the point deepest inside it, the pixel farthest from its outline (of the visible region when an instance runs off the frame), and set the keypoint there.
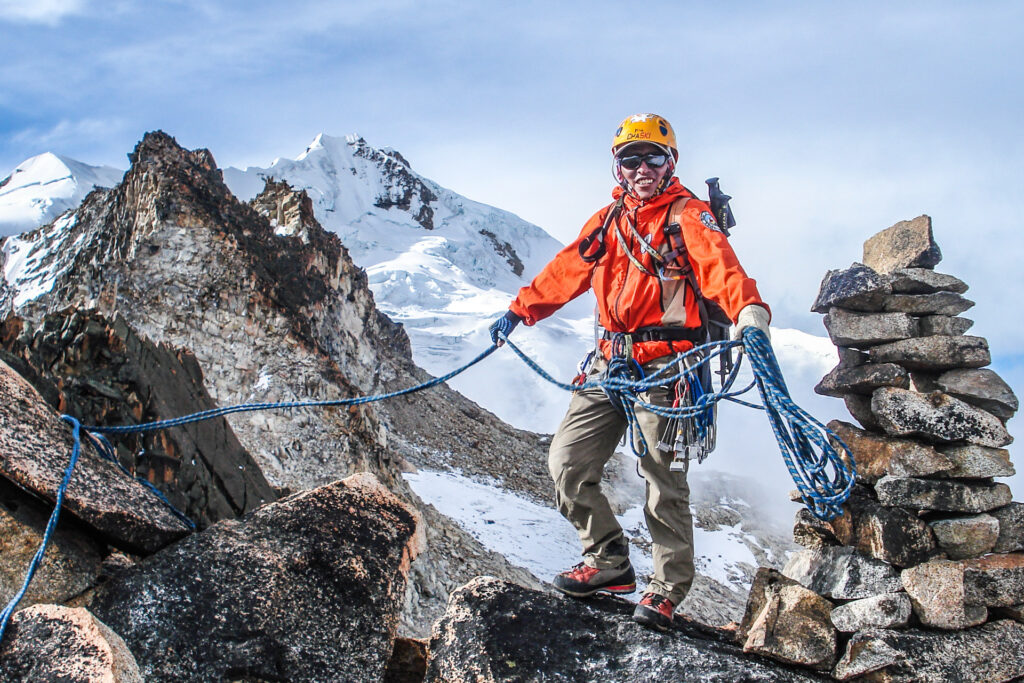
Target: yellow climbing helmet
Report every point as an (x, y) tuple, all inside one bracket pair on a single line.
[(645, 128)]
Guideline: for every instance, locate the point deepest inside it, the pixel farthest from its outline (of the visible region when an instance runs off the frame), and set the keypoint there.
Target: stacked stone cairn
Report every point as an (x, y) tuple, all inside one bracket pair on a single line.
[(922, 576)]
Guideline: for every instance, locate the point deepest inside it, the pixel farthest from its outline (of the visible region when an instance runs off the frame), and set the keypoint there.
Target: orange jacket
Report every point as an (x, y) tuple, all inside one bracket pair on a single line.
[(628, 299)]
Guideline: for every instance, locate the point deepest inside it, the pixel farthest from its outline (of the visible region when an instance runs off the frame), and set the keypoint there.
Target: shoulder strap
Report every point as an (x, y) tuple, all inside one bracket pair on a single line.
[(597, 235)]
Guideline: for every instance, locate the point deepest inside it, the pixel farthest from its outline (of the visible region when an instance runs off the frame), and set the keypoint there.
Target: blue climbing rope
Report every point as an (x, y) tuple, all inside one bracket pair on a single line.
[(823, 475)]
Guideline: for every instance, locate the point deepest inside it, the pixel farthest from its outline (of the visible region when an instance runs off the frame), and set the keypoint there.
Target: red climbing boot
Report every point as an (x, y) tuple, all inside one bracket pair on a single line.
[(583, 581), (654, 611)]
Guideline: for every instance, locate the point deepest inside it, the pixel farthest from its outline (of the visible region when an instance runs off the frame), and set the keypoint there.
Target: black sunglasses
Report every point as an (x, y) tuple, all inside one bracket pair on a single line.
[(652, 160)]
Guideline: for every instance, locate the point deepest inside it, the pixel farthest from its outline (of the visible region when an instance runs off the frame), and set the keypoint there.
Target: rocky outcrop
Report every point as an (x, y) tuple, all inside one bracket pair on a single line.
[(272, 308), (104, 373), (496, 631), (35, 455), (307, 588), (51, 643)]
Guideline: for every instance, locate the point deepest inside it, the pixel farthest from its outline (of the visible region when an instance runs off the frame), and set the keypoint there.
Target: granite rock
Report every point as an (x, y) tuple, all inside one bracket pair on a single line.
[(936, 416), (856, 288), (937, 592), (939, 352), (860, 330), (990, 652), (841, 573), (941, 494), (924, 281), (1011, 528), (307, 588), (907, 244), (862, 379), (933, 325), (877, 455), (977, 462), (994, 580), (891, 610), (964, 537), (981, 387), (939, 303), (51, 643), (794, 627), (859, 407)]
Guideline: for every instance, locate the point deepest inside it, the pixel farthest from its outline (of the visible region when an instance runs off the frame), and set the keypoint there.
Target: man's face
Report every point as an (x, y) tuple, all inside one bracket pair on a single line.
[(644, 180)]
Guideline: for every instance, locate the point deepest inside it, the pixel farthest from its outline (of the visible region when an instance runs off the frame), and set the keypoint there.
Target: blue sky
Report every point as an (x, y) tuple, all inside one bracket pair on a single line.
[(826, 121)]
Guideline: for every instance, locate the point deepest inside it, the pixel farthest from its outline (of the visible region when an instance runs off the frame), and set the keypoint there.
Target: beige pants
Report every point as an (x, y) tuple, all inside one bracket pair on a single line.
[(581, 447)]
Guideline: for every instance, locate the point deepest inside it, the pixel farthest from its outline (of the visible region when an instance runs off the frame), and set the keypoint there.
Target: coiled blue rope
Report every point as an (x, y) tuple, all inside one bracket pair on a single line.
[(823, 476)]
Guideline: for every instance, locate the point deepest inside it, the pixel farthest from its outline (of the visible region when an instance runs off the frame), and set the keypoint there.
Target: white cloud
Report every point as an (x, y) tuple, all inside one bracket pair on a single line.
[(48, 12)]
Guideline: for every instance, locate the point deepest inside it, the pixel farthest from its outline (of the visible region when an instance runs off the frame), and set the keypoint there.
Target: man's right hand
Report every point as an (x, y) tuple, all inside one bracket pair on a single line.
[(504, 325)]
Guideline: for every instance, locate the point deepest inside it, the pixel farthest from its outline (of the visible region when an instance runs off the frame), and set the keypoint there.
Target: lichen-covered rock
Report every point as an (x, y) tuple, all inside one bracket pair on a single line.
[(496, 631), (877, 455), (890, 534), (859, 407), (1011, 528), (815, 534), (891, 610), (937, 592), (51, 644), (851, 358), (908, 244), (939, 303), (994, 580), (862, 379), (938, 352), (72, 560), (35, 454), (861, 330), (988, 653), (936, 416), (840, 573), (307, 588), (941, 494), (977, 462), (856, 288), (932, 325), (924, 281), (981, 387), (964, 537)]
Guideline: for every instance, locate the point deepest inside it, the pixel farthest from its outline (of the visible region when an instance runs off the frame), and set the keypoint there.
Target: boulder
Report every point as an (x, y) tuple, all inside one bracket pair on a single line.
[(941, 494), (939, 303), (964, 537), (308, 588), (814, 533), (977, 462), (72, 560), (862, 379), (877, 455), (936, 416), (498, 631), (938, 352), (1011, 528), (856, 288), (51, 643), (994, 580), (937, 593), (890, 534), (859, 330), (924, 281), (908, 244), (36, 453), (891, 610), (980, 387), (932, 325), (840, 573), (991, 652)]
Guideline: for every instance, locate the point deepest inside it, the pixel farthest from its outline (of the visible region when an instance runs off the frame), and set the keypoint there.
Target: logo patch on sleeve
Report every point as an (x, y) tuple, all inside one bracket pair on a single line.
[(709, 221)]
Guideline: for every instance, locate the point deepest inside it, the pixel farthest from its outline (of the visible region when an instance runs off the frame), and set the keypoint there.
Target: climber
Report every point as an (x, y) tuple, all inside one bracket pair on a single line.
[(628, 255)]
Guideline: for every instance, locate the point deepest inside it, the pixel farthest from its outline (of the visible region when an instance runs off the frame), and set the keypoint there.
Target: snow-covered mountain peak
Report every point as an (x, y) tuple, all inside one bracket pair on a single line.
[(45, 186)]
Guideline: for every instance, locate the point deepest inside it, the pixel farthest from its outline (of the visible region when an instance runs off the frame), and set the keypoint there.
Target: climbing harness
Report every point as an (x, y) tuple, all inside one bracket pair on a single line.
[(823, 474)]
